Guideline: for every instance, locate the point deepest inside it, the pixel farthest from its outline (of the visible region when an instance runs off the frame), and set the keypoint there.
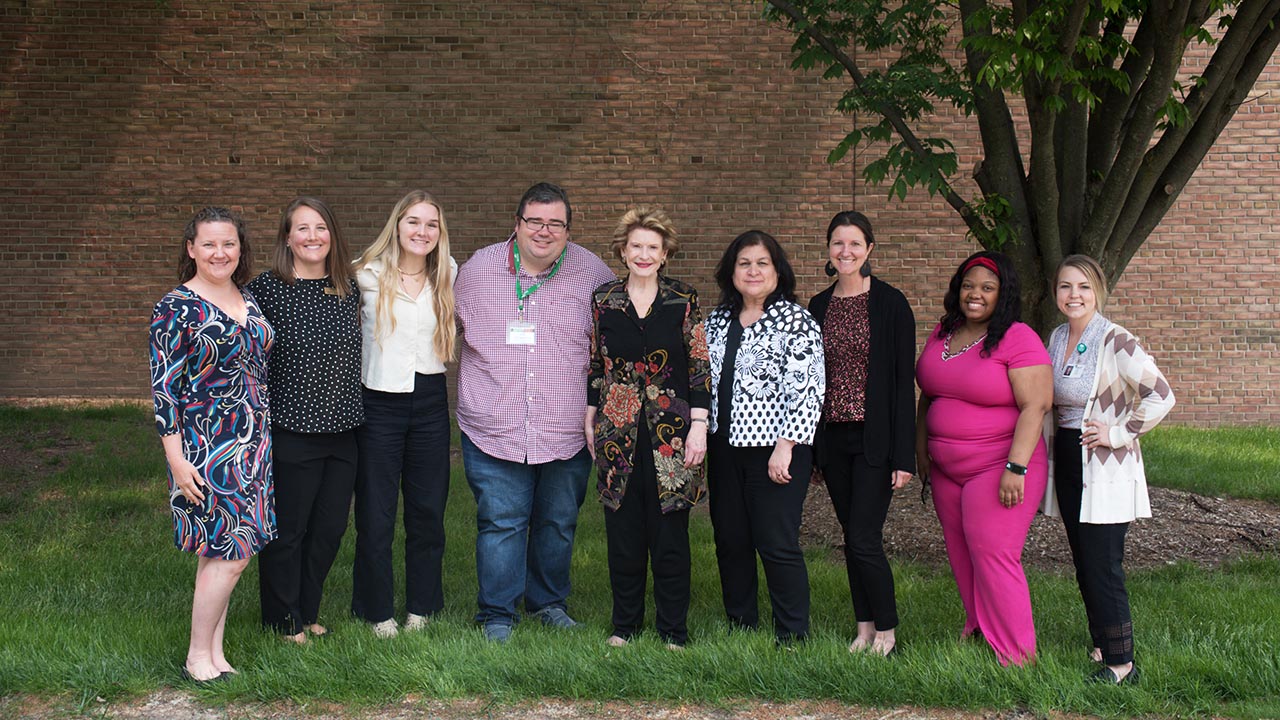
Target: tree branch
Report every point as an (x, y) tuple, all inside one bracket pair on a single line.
[(887, 111), (1108, 117), (1150, 183), (1139, 129), (1202, 136), (1001, 170)]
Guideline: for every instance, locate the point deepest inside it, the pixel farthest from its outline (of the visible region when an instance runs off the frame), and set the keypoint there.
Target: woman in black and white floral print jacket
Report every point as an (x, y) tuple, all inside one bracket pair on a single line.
[(767, 379)]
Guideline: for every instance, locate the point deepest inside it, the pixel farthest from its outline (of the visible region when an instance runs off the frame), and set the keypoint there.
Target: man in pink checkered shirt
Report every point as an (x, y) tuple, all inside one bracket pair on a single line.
[(524, 312)]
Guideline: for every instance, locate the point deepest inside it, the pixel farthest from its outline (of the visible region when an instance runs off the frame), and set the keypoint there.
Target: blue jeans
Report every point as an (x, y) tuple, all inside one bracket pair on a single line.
[(525, 519)]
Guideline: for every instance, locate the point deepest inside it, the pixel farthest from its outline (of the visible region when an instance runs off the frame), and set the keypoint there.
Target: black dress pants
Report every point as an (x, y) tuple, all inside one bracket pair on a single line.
[(404, 449), (639, 535), (861, 494), (752, 514), (1098, 554), (314, 474)]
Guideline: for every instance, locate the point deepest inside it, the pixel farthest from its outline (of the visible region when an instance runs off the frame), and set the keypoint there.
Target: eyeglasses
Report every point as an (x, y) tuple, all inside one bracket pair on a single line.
[(555, 227)]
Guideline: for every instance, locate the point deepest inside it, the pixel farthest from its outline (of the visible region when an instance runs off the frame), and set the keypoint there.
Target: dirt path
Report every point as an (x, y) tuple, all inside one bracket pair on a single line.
[(175, 705)]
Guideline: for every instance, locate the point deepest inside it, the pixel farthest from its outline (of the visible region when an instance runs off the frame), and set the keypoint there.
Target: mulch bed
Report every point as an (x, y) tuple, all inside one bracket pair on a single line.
[(1185, 526)]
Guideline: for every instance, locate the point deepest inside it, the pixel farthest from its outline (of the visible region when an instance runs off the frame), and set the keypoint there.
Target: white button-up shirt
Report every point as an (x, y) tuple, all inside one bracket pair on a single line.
[(391, 361)]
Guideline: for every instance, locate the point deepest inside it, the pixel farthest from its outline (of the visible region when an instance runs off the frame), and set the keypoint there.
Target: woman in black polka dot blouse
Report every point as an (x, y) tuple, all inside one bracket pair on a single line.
[(767, 383), (310, 298)]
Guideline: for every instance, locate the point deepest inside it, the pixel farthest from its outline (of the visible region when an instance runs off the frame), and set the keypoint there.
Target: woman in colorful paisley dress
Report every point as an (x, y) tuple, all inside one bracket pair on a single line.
[(646, 424), (209, 346)]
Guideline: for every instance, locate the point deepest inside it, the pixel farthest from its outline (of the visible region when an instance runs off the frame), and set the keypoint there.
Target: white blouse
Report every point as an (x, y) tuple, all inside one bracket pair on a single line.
[(391, 361)]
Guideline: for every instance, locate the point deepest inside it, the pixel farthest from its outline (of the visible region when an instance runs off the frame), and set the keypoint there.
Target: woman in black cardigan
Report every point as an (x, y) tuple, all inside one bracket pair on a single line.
[(866, 442)]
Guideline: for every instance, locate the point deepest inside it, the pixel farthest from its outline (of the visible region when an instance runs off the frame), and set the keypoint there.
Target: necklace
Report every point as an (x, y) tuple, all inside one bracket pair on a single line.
[(298, 275), (946, 346), (410, 274)]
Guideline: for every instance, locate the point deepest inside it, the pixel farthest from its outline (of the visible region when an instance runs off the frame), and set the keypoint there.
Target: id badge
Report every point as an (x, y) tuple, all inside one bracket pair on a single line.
[(520, 332), (1068, 371)]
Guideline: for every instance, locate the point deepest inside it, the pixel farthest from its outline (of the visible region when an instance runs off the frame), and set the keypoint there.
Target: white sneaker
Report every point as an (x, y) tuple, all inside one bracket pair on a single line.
[(386, 628), (413, 623)]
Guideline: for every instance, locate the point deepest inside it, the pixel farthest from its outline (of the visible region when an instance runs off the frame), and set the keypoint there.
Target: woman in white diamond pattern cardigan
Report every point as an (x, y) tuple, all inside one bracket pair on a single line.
[(1107, 391)]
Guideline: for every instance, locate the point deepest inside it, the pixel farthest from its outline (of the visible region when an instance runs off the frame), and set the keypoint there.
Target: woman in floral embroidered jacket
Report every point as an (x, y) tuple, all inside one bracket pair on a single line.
[(646, 424)]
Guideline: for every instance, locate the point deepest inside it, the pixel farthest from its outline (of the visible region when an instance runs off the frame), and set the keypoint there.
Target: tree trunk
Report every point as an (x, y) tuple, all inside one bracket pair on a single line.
[(1039, 310)]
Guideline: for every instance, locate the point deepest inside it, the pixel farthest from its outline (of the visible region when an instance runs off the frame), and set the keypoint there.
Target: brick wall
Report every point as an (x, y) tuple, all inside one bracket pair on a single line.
[(119, 119)]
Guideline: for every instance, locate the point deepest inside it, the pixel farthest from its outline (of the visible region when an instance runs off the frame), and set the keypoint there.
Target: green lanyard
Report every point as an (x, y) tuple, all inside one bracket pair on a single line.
[(521, 293)]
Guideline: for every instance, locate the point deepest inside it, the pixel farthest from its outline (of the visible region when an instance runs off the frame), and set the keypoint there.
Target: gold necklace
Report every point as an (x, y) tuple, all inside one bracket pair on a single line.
[(409, 274)]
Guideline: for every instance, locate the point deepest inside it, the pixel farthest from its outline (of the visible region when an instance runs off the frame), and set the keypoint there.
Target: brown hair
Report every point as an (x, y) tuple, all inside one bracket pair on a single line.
[(337, 264), (187, 264)]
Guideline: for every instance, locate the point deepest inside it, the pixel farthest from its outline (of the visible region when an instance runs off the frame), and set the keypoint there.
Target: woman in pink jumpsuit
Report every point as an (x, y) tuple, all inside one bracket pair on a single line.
[(986, 384)]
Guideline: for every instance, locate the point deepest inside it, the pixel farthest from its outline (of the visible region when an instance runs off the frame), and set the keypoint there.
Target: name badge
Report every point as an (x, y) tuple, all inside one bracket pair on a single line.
[(520, 332), (1068, 371)]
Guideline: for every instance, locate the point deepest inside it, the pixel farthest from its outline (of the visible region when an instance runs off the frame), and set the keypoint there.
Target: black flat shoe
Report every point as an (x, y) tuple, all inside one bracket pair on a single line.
[(1108, 676), (188, 677)]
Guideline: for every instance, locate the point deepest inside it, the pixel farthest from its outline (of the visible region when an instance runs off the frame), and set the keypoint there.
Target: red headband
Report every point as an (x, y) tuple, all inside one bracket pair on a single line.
[(985, 262)]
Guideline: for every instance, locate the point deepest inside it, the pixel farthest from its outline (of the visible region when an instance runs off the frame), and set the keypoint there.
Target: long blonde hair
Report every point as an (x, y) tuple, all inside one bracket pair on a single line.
[(386, 250)]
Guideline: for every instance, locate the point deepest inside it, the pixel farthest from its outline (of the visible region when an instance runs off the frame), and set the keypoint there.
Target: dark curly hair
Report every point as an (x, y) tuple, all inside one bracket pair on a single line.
[(187, 265), (730, 298), (1008, 303)]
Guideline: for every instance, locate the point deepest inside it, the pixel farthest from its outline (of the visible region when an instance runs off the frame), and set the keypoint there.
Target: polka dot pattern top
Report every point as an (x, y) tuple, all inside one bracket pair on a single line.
[(779, 376), (314, 374)]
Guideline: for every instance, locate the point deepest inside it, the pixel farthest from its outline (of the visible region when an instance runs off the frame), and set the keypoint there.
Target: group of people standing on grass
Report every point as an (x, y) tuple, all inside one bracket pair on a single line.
[(562, 366)]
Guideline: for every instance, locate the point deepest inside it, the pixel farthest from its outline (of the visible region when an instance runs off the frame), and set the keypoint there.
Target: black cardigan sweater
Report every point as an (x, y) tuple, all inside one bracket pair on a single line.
[(889, 434)]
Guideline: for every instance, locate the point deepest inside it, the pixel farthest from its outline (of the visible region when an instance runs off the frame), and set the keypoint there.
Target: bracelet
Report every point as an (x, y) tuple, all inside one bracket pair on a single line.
[(1015, 468), (701, 420)]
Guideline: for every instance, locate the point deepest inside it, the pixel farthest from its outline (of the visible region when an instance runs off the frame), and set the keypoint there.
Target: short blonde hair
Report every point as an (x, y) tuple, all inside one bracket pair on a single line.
[(1092, 271), (650, 218)]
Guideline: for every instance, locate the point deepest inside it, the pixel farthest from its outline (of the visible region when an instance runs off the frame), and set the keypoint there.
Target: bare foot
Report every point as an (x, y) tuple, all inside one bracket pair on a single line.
[(1096, 655), (299, 639), (616, 641), (317, 629), (885, 642), (861, 643)]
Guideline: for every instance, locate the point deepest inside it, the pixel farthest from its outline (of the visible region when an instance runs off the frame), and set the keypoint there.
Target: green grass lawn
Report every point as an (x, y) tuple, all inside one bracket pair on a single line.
[(1236, 462), (95, 601)]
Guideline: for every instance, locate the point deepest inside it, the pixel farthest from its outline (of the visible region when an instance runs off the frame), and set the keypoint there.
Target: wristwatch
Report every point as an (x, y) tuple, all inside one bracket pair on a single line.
[(1015, 468)]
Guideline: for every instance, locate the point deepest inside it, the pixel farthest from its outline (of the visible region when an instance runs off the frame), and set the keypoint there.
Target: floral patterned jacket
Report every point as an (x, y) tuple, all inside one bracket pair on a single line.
[(779, 376), (653, 369)]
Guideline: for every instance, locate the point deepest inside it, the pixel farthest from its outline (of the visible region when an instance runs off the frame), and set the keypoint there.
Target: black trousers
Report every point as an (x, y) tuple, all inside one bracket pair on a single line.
[(639, 535), (404, 449), (314, 474), (751, 514), (861, 494), (1098, 554)]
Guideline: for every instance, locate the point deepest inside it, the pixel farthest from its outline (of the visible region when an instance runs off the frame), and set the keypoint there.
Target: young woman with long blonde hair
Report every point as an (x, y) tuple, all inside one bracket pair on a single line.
[(407, 318)]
